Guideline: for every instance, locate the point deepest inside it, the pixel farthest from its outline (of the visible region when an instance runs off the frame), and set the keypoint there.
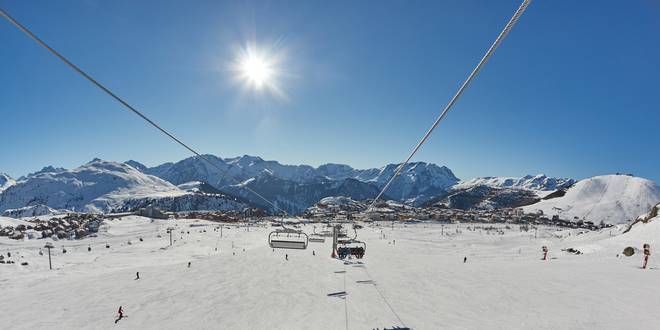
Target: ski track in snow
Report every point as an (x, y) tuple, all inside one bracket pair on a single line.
[(420, 282)]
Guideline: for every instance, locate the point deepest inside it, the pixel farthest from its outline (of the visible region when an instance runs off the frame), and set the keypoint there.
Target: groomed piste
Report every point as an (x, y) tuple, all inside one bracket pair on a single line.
[(413, 275)]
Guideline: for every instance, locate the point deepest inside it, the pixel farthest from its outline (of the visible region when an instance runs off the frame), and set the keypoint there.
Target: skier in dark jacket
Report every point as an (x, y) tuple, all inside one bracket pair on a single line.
[(121, 314)]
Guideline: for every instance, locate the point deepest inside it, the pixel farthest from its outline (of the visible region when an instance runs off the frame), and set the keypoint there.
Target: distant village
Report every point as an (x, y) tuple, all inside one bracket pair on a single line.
[(392, 211), (80, 225)]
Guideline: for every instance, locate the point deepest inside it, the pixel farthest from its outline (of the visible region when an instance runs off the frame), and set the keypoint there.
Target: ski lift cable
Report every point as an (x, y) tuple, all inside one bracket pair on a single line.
[(453, 100), (126, 105)]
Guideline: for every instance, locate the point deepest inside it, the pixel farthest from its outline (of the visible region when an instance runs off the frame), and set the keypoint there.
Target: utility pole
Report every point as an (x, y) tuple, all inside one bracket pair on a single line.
[(49, 246), (335, 237)]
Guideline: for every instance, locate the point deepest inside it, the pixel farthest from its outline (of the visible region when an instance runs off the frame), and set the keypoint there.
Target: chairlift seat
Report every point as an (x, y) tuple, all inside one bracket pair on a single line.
[(292, 240), (317, 239), (284, 244)]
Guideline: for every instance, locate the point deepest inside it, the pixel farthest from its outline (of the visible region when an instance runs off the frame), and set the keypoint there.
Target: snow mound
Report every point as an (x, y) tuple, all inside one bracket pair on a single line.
[(614, 199)]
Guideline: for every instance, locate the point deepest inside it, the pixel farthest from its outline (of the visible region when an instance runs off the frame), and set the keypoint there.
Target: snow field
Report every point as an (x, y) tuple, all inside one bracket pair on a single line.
[(420, 281)]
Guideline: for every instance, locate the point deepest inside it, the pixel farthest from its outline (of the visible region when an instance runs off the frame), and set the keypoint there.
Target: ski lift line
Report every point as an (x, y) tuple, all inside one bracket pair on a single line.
[(383, 297), (453, 100), (124, 103)]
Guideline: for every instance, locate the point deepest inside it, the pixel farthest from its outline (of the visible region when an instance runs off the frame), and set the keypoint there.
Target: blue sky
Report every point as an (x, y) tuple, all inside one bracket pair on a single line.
[(572, 91)]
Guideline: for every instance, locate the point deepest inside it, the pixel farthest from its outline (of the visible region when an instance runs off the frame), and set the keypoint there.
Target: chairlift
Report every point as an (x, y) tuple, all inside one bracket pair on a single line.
[(351, 247), (288, 239), (317, 237)]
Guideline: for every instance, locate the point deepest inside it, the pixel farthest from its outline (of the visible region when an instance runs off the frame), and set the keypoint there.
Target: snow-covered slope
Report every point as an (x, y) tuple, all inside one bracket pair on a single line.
[(29, 211), (97, 186), (613, 199), (236, 281), (536, 182), (645, 229), (199, 187), (5, 182), (482, 197)]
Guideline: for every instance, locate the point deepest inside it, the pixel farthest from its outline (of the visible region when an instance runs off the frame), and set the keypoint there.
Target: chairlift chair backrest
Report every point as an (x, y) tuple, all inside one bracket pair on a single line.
[(293, 239)]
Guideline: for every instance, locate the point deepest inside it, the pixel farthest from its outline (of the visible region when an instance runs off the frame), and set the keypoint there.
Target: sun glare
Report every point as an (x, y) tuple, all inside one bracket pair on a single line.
[(259, 69), (256, 70)]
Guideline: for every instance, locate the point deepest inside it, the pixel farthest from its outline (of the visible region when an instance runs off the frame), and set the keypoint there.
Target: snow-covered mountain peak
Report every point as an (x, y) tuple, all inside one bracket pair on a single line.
[(45, 169), (610, 198), (137, 165), (97, 186), (6, 181), (539, 182)]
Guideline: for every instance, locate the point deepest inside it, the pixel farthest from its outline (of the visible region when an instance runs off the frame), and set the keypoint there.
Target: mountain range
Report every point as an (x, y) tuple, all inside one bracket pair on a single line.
[(293, 188), (193, 184), (98, 186)]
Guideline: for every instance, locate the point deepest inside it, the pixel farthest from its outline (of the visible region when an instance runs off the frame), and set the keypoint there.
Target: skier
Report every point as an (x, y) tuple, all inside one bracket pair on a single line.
[(137, 275), (313, 252), (188, 264), (545, 252), (464, 259), (286, 256), (121, 314), (647, 253), (89, 249)]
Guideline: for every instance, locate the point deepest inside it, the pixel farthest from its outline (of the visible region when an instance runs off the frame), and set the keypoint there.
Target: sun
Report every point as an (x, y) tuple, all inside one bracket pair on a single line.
[(260, 69), (256, 70)]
